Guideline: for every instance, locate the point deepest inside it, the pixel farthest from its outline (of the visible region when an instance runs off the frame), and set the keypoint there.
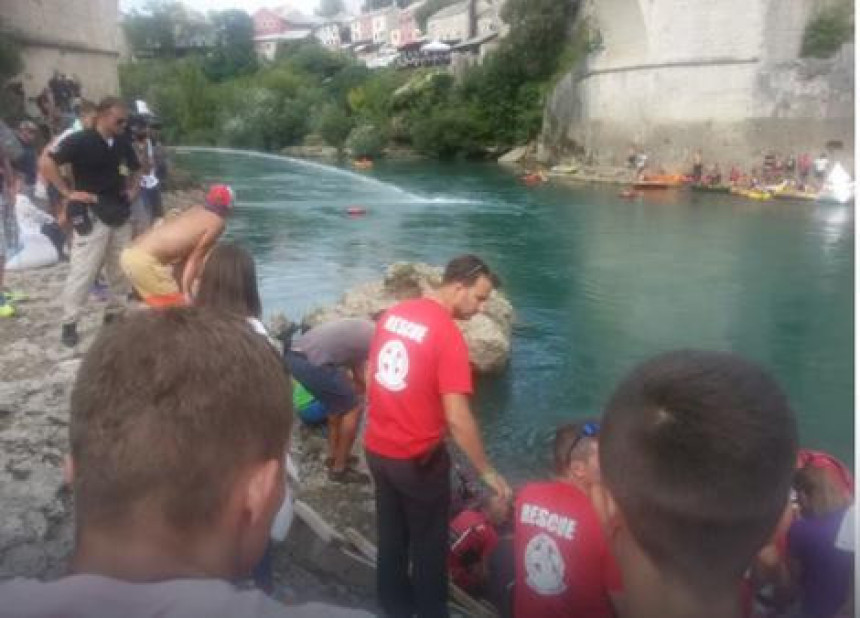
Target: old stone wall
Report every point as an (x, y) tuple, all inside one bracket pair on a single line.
[(675, 76), (80, 38)]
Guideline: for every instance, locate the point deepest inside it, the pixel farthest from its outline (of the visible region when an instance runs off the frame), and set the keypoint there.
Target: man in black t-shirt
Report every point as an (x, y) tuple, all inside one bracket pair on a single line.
[(107, 179)]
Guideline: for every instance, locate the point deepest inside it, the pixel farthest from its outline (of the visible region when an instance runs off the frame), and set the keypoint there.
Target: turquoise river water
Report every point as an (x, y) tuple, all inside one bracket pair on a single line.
[(598, 282)]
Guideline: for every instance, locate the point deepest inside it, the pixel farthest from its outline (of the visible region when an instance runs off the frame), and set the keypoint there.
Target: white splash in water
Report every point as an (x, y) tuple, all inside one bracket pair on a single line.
[(410, 197)]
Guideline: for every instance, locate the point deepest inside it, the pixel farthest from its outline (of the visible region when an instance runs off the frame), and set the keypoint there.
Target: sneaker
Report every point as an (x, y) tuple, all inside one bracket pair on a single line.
[(348, 475), (70, 335)]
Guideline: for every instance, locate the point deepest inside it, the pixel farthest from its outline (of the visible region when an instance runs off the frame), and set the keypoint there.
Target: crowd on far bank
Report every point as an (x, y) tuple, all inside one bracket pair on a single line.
[(802, 173), (689, 496)]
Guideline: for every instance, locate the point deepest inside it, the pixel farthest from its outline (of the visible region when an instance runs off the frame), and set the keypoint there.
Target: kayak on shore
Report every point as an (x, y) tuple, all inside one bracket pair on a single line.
[(752, 194)]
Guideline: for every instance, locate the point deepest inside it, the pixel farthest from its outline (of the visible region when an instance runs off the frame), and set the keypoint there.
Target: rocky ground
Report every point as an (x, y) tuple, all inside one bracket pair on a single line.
[(36, 377)]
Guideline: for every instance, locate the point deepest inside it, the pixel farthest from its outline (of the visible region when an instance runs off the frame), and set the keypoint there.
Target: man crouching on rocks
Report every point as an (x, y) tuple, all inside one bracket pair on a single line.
[(177, 473), (184, 243)]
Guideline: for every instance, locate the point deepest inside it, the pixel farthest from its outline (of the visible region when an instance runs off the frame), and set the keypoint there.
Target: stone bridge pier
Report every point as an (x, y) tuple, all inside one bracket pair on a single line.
[(674, 76)]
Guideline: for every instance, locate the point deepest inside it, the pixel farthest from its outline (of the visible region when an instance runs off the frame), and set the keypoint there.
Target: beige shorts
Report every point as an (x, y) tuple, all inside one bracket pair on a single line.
[(153, 280)]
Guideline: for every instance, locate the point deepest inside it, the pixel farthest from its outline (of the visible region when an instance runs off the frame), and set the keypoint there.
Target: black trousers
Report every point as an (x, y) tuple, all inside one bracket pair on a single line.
[(412, 501)]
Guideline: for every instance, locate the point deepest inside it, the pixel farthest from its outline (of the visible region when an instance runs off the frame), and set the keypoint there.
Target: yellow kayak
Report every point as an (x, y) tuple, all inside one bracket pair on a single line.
[(794, 194), (753, 194)]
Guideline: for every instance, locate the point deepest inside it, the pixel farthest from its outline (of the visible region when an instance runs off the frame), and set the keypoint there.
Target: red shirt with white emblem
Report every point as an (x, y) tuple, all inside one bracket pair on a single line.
[(563, 564), (417, 355)]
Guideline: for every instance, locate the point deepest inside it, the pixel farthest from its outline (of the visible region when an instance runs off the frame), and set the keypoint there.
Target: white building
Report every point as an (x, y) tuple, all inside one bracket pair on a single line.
[(451, 23), (385, 25), (280, 25), (335, 31), (488, 18)]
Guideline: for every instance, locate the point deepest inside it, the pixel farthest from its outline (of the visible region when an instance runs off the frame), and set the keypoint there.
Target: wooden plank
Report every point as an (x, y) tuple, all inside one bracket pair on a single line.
[(458, 596), (361, 543), (316, 523)]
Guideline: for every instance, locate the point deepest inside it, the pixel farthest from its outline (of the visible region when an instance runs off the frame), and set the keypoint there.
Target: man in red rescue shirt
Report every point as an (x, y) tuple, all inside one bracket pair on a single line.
[(419, 381), (563, 564)]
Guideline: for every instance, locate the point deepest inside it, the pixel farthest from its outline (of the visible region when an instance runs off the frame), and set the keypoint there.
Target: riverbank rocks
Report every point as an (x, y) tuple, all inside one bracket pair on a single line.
[(488, 334), (318, 152), (517, 155)]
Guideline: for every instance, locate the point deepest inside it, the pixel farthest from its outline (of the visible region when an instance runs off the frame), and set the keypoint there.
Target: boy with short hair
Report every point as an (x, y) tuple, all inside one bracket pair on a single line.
[(697, 451), (182, 242), (177, 473)]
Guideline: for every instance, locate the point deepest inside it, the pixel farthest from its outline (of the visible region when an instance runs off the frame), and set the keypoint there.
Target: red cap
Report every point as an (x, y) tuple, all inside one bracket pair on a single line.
[(220, 197)]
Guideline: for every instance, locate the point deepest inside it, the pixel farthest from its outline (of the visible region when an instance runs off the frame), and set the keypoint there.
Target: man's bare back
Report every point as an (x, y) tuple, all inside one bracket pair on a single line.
[(174, 240)]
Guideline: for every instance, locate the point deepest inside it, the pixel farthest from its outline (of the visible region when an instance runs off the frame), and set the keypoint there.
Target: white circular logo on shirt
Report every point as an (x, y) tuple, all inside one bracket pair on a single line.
[(392, 366), (544, 566)]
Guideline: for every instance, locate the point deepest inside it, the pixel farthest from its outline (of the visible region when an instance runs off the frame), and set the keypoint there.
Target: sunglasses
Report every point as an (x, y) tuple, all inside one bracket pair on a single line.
[(591, 429)]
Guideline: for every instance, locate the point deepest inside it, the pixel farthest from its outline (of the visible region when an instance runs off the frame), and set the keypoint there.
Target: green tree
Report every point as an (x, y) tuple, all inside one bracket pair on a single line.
[(449, 132), (311, 57), (334, 126), (538, 34), (825, 34), (329, 8), (366, 141), (153, 30), (234, 46)]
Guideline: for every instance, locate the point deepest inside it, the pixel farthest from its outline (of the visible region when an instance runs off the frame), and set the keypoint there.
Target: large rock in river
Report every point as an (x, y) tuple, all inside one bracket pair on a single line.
[(487, 334)]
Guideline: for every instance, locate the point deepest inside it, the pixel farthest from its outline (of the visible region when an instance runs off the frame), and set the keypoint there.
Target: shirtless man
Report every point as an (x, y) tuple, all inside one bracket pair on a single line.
[(149, 263)]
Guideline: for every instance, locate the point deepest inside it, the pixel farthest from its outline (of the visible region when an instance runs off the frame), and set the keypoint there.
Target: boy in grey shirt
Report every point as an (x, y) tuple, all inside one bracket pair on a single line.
[(179, 425), (329, 362)]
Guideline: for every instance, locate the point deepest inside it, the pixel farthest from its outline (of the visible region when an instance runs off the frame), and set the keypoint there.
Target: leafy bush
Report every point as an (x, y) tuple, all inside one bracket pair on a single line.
[(366, 141), (828, 31), (234, 53), (425, 89), (264, 120), (372, 100), (334, 126), (449, 132), (311, 57)]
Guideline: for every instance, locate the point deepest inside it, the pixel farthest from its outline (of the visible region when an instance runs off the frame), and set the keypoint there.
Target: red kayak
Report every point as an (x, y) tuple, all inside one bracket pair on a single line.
[(356, 211)]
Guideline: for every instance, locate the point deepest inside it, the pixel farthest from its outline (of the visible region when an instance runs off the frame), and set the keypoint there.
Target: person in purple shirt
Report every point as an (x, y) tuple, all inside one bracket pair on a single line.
[(820, 572)]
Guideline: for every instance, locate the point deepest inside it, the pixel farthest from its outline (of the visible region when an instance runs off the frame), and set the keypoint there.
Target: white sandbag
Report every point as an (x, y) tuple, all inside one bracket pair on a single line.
[(34, 251)]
